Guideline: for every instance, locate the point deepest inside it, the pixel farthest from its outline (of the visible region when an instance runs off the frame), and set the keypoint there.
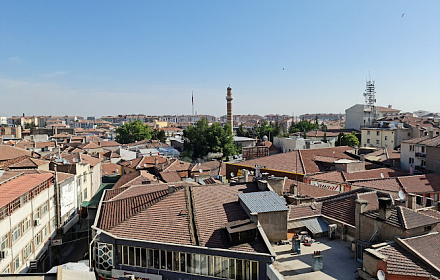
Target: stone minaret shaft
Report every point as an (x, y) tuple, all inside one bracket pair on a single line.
[(229, 98)]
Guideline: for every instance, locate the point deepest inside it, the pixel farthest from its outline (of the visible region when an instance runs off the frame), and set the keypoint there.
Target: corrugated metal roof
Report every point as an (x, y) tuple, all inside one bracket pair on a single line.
[(316, 225), (261, 202)]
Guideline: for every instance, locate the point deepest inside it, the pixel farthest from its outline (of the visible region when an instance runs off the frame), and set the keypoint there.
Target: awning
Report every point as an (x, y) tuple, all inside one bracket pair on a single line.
[(97, 197), (316, 225)]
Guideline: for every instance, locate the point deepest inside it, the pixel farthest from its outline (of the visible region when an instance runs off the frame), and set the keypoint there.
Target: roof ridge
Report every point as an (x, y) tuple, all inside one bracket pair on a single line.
[(401, 216)]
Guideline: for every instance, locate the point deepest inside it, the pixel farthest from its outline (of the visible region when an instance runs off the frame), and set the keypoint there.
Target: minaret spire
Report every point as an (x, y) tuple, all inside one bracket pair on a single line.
[(229, 98)]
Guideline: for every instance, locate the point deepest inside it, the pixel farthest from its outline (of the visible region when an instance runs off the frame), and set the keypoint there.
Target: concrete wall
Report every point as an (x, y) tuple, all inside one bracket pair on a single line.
[(357, 116), (274, 224), (380, 138), (433, 159)]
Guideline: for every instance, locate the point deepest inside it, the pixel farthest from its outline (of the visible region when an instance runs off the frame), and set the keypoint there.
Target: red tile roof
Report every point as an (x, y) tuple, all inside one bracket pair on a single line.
[(110, 168), (20, 185), (165, 221), (426, 246), (405, 218), (170, 176), (421, 183), (114, 212), (386, 184), (402, 262), (288, 162), (8, 152), (307, 157)]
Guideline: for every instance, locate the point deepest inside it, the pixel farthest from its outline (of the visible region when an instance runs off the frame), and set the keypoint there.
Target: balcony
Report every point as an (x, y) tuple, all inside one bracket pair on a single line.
[(420, 155)]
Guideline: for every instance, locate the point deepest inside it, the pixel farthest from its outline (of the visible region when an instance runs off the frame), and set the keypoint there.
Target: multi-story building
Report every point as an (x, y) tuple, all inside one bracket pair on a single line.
[(421, 153), (10, 131), (363, 115), (27, 221)]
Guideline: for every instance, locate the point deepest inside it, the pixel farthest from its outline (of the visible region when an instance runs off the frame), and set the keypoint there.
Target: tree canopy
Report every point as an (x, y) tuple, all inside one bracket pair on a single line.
[(347, 140), (158, 134), (303, 126), (203, 138), (132, 131)]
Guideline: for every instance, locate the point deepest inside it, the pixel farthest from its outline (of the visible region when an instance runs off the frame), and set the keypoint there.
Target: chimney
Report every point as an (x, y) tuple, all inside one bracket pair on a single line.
[(412, 202), (155, 162), (384, 208), (390, 106), (361, 207), (431, 133), (265, 175), (196, 178), (171, 188), (245, 175), (168, 160)]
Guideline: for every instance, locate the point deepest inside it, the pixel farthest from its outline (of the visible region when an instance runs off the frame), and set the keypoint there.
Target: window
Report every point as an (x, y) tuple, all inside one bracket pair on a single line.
[(4, 242), (377, 133), (85, 194), (26, 224), (377, 142), (37, 239), (427, 228), (423, 163), (422, 149), (368, 132), (45, 231), (368, 141), (44, 209), (386, 138), (37, 214), (17, 263), (411, 148), (52, 224), (16, 232), (27, 251), (411, 160)]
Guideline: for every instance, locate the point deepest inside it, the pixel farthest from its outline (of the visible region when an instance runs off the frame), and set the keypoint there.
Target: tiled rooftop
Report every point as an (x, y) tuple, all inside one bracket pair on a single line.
[(20, 185), (7, 152), (402, 262), (405, 218), (426, 246), (421, 183)]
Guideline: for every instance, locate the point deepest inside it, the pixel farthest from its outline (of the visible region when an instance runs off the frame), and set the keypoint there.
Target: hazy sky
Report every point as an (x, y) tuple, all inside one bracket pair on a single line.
[(95, 58)]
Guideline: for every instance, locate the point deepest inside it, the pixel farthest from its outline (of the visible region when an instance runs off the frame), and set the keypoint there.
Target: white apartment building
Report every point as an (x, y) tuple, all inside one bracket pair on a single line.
[(27, 221)]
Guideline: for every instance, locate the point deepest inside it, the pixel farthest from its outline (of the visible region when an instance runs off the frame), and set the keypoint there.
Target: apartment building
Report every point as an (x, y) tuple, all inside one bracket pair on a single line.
[(27, 221), (421, 153)]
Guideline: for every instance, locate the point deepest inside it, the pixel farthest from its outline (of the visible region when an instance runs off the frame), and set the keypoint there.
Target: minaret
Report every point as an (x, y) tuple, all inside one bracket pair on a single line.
[(229, 99)]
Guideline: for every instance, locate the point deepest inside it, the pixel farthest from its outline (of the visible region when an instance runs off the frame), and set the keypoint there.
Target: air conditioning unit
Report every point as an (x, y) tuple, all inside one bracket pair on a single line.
[(332, 231), (36, 222), (33, 264)]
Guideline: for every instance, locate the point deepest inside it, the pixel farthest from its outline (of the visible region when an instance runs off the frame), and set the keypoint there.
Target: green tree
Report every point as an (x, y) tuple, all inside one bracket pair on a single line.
[(347, 140), (241, 131), (132, 131), (325, 137), (202, 139), (158, 134), (302, 126)]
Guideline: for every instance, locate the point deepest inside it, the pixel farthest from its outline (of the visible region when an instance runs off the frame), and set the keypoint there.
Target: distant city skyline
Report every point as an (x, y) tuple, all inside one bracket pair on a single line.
[(146, 57)]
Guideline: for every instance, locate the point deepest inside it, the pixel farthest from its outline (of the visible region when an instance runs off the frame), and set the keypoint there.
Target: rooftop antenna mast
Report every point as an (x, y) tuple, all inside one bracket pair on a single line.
[(192, 101), (370, 97)]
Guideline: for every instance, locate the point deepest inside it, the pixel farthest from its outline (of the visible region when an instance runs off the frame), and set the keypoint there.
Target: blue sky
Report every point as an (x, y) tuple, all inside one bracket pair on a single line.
[(96, 58)]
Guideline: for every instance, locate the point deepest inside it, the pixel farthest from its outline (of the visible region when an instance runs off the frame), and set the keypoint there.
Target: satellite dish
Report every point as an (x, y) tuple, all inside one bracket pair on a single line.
[(401, 195), (381, 175), (232, 174), (380, 275), (200, 170)]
